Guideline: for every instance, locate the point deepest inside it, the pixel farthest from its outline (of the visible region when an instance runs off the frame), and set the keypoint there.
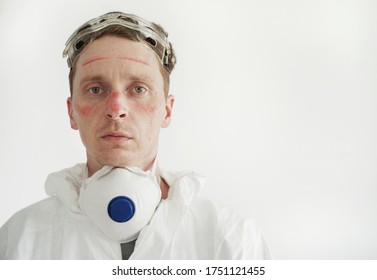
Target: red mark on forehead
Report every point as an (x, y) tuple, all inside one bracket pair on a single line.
[(134, 59), (92, 59)]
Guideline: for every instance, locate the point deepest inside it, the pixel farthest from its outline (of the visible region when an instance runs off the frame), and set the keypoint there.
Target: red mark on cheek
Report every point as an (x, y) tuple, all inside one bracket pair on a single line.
[(84, 110), (149, 109)]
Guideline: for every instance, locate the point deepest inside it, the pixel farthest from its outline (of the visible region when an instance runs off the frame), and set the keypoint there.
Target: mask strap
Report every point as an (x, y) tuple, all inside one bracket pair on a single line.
[(154, 170), (154, 167), (86, 172)]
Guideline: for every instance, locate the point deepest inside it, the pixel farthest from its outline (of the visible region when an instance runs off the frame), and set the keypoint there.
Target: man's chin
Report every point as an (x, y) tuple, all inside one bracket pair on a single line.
[(121, 162), (118, 158), (114, 158)]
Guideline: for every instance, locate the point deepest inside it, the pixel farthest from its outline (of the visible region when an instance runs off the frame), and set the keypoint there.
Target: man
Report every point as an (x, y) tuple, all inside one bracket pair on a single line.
[(120, 204)]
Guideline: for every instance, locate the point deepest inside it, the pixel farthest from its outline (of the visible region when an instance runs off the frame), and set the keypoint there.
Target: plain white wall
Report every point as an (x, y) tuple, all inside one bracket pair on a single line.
[(275, 104)]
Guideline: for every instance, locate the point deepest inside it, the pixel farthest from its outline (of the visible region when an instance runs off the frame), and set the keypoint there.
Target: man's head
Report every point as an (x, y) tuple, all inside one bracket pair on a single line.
[(119, 81)]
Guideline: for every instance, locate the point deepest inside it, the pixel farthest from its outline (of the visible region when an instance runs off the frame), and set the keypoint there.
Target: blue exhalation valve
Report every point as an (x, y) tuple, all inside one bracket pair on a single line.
[(121, 209)]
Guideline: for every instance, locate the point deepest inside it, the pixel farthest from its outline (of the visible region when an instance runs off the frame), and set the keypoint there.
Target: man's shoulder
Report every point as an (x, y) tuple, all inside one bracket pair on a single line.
[(42, 210), (239, 237), (25, 225), (45, 210), (185, 189), (224, 215)]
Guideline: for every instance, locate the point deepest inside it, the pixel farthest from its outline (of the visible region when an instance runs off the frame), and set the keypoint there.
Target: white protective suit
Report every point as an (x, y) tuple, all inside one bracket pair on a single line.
[(184, 226)]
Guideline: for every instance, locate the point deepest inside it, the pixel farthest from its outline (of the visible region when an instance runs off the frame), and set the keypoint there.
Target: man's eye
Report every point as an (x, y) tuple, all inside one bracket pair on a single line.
[(95, 90), (139, 90)]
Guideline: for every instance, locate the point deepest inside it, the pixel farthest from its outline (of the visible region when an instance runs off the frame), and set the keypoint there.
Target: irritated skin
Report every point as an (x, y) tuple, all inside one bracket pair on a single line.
[(118, 103)]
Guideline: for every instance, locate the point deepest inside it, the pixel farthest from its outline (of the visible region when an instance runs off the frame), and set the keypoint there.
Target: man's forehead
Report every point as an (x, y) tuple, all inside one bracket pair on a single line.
[(114, 56), (95, 73), (114, 47), (97, 58)]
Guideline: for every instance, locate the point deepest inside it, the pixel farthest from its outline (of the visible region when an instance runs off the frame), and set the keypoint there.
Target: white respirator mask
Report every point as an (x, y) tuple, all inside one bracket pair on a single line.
[(120, 201)]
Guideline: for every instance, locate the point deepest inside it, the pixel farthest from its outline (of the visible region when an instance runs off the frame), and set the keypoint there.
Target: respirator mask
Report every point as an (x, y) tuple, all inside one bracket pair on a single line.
[(120, 201)]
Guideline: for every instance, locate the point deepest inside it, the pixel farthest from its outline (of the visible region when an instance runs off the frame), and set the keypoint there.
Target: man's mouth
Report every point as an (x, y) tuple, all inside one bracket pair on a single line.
[(116, 136)]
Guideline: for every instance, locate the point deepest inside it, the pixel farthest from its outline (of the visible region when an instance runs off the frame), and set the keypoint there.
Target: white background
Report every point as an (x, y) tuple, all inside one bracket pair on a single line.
[(275, 104)]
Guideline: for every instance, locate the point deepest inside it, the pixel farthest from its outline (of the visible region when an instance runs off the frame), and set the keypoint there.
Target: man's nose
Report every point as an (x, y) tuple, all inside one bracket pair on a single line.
[(116, 107)]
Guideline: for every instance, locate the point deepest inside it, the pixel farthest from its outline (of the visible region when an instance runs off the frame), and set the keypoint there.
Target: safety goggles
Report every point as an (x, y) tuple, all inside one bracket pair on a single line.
[(156, 39)]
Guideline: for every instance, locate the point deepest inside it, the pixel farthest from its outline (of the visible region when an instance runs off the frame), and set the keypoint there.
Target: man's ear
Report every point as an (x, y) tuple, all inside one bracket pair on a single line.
[(169, 108), (70, 113)]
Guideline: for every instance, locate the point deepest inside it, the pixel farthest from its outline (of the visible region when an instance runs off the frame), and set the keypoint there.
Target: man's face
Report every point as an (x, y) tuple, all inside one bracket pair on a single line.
[(118, 103)]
